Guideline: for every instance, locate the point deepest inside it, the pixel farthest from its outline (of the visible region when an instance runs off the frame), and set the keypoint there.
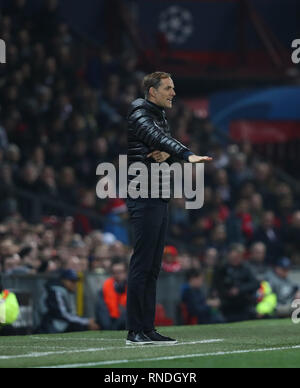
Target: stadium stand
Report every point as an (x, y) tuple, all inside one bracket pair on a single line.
[(63, 106)]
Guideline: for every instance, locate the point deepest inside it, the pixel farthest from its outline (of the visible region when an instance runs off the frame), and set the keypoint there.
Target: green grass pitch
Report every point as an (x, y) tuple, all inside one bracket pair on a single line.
[(266, 343)]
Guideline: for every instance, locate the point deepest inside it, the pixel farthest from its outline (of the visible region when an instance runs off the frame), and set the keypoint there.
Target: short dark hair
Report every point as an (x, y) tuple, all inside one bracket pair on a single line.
[(193, 273), (153, 80)]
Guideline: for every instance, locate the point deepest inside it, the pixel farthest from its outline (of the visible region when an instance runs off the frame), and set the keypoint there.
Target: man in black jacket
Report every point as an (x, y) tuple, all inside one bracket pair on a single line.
[(57, 307), (150, 141), (236, 286)]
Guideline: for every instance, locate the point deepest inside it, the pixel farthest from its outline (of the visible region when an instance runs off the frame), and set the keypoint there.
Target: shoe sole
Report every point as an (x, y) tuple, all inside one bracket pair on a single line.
[(128, 342)]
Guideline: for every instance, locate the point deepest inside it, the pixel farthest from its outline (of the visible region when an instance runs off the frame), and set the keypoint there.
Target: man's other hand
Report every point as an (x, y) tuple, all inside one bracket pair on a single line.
[(93, 325), (159, 156)]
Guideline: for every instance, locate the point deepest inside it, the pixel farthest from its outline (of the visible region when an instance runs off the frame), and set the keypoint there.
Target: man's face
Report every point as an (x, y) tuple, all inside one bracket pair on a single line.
[(283, 273), (268, 220), (70, 285), (258, 253), (197, 282), (119, 272), (235, 258), (164, 94)]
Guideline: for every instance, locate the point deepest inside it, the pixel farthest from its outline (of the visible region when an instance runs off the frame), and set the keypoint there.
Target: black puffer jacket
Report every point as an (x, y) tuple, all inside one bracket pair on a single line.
[(148, 130)]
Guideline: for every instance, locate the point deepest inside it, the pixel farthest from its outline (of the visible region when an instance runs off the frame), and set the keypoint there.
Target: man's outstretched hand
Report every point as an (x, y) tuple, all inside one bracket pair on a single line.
[(199, 159)]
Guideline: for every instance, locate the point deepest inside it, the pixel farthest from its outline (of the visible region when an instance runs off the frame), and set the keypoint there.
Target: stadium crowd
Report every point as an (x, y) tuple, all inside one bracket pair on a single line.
[(63, 112)]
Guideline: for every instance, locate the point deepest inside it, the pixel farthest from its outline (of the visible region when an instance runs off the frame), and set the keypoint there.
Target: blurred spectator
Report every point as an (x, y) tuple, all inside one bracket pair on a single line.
[(28, 179), (292, 238), (111, 303), (67, 186), (266, 301), (265, 182), (99, 67), (218, 239), (239, 224), (84, 224), (203, 310), (236, 286), (170, 262), (13, 157), (239, 171), (48, 238), (258, 261), (179, 219), (199, 234), (38, 158), (12, 265), (3, 138), (115, 219), (100, 260), (211, 261), (7, 247), (285, 290), (47, 189), (221, 159), (185, 260), (30, 259), (51, 266), (256, 209), (221, 211), (58, 312), (269, 234), (66, 235), (222, 186), (8, 200)]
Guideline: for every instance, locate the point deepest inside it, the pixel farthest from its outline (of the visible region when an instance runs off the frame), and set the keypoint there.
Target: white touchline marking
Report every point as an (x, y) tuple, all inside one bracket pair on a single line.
[(33, 346), (102, 363), (54, 338), (89, 350)]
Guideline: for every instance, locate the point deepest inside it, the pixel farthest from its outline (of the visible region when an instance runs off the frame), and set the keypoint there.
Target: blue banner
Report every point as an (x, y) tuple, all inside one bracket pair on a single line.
[(189, 25), (278, 103), (212, 25)]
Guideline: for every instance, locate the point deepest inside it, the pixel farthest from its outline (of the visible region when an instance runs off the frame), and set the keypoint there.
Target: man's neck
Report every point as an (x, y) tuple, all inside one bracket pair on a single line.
[(153, 103)]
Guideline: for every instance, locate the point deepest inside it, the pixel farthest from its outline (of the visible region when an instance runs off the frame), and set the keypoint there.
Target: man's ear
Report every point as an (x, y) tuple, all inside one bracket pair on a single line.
[(152, 92)]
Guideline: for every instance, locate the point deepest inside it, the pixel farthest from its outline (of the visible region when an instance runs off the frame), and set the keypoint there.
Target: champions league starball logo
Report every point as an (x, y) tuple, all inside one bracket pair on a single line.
[(176, 23)]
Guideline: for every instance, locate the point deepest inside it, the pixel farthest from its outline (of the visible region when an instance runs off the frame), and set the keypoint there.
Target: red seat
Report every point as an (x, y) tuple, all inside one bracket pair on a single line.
[(161, 318), (187, 318)]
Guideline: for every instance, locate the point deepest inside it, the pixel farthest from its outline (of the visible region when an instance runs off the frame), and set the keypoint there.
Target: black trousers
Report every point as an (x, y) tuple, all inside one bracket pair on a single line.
[(149, 219)]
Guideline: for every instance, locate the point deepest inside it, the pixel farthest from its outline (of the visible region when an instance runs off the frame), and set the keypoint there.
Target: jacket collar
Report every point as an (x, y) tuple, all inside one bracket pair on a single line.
[(155, 106), (143, 103)]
